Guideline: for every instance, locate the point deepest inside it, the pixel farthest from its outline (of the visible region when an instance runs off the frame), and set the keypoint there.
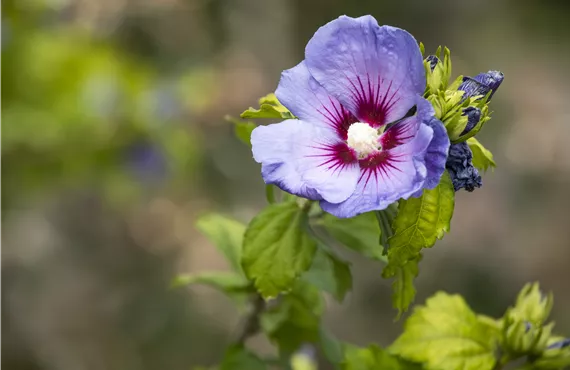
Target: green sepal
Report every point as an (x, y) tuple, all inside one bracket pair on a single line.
[(438, 79), (532, 305), (521, 337), (552, 358), (482, 157), (269, 107), (523, 329)]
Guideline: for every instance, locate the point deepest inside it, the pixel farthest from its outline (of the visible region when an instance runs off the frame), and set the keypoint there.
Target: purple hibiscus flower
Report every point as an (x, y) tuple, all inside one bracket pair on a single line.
[(354, 146)]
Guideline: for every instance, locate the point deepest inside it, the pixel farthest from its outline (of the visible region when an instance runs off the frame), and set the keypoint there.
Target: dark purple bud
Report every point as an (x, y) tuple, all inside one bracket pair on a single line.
[(482, 84), (473, 116), (560, 344), (473, 87), (460, 166), (492, 79), (432, 60)]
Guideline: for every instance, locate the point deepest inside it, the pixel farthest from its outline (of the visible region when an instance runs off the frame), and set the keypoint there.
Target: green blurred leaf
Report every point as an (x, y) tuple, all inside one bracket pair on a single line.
[(226, 234), (277, 249), (269, 107), (482, 157), (233, 285), (331, 347), (420, 222), (223, 280), (243, 131), (446, 335), (240, 358), (330, 273), (296, 319), (360, 233), (553, 358), (374, 358), (403, 291)]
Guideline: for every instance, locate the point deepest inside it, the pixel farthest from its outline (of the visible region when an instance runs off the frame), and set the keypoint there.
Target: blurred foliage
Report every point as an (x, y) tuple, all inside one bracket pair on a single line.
[(79, 110), (115, 110)]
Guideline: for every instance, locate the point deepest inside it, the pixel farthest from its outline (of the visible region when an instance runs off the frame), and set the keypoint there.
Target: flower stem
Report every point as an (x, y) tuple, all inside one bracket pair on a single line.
[(251, 323), (385, 219)]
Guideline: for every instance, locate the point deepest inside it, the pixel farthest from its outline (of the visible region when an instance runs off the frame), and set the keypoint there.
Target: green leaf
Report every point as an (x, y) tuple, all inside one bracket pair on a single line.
[(360, 233), (269, 107), (482, 158), (331, 347), (233, 285), (277, 249), (243, 131), (420, 222), (223, 280), (296, 319), (374, 358), (446, 335), (403, 291), (553, 358), (271, 99), (226, 234), (330, 273), (238, 358)]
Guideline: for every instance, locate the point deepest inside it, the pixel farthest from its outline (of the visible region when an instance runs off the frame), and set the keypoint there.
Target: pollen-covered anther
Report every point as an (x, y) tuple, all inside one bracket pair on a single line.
[(363, 139)]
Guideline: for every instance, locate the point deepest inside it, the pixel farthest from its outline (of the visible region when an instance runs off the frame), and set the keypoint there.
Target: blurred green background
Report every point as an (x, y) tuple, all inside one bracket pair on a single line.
[(113, 142)]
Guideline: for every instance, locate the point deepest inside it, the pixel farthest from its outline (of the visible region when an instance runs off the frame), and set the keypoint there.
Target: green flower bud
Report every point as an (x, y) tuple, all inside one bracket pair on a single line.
[(555, 356), (532, 305), (438, 71), (524, 338)]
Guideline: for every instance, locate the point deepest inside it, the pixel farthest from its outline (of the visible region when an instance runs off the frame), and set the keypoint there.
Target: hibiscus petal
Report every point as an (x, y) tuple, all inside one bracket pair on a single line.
[(309, 101), (436, 153), (305, 160), (406, 129), (375, 72), (387, 177)]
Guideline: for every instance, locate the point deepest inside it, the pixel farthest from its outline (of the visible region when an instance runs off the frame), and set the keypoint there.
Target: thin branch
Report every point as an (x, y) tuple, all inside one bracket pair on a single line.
[(251, 324)]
